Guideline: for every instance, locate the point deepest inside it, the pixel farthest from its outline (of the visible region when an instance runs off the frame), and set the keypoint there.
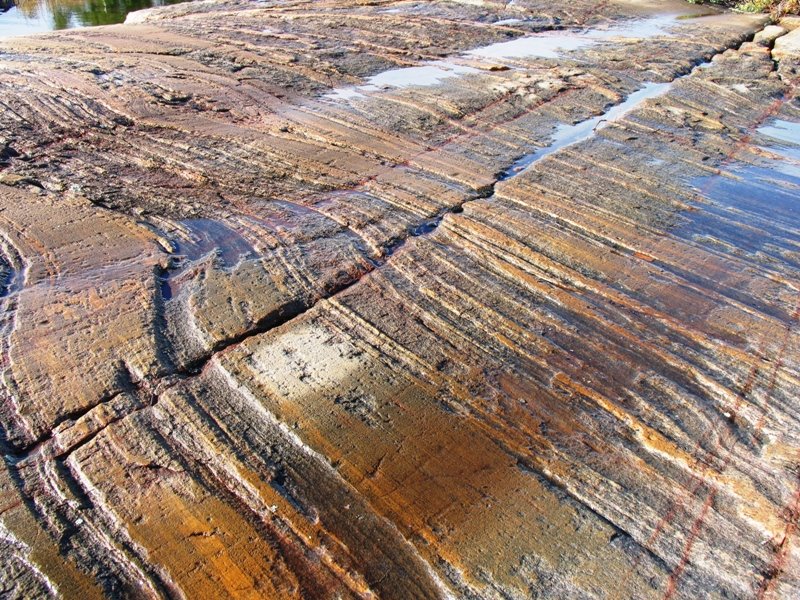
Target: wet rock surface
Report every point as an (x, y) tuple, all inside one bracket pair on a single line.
[(403, 300)]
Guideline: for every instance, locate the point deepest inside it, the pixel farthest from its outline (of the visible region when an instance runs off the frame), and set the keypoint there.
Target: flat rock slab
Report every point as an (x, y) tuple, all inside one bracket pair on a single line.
[(401, 300), (788, 46)]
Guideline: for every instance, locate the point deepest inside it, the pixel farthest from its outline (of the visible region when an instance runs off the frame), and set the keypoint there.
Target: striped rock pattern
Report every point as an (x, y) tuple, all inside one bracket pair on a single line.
[(403, 300)]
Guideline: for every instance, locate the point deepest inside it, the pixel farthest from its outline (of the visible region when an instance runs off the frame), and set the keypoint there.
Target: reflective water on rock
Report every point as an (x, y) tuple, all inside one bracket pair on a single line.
[(549, 44), (785, 135), (25, 17), (422, 76), (552, 44), (567, 135), (197, 239), (208, 236), (748, 202)]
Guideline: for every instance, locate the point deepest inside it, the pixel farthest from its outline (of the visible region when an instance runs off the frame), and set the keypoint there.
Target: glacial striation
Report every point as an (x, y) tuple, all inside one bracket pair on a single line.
[(401, 299)]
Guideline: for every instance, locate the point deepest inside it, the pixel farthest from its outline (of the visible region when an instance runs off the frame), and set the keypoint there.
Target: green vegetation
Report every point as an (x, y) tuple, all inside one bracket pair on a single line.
[(777, 8)]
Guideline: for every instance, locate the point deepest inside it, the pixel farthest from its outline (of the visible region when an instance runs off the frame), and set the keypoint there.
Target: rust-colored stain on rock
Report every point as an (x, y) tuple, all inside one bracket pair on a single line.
[(401, 299)]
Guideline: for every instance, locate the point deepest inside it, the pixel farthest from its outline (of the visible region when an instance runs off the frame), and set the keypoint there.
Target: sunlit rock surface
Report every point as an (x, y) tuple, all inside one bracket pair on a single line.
[(403, 300)]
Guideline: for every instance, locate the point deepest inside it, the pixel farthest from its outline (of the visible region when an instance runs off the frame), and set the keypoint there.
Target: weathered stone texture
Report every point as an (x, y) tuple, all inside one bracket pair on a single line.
[(273, 328)]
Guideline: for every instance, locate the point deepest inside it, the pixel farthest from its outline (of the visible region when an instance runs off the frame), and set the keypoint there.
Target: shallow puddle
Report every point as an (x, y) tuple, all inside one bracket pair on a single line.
[(422, 76), (549, 44), (782, 131), (552, 44), (567, 135), (784, 136), (771, 187), (755, 207)]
